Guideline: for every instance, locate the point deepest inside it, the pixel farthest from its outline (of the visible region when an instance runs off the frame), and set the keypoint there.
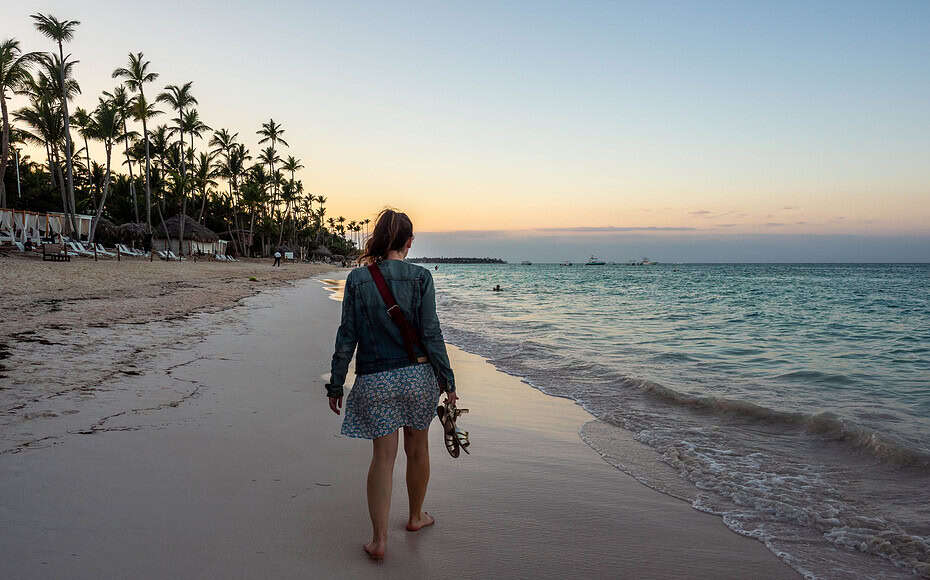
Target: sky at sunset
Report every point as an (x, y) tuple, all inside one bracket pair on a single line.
[(680, 130)]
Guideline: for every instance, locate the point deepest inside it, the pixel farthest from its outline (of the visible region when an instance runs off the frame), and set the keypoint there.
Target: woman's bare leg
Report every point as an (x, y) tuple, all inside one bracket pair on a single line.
[(380, 479), (416, 446)]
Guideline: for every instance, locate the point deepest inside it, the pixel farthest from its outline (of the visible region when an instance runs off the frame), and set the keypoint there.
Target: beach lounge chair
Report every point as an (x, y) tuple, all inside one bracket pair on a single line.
[(123, 249), (79, 249), (103, 251), (82, 248)]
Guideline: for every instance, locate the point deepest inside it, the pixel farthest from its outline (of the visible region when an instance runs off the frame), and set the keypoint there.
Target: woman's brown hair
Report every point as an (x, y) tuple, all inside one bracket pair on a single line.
[(391, 232)]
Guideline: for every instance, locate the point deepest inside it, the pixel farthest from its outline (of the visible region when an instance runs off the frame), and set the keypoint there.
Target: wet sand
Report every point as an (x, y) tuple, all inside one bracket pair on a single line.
[(220, 458)]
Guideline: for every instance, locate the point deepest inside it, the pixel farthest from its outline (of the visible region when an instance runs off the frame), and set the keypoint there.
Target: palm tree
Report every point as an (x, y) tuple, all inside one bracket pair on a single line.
[(180, 98), (136, 75), (273, 132), (45, 118), (161, 144), (46, 86), (269, 156), (193, 126), (223, 141), (105, 127), (293, 165), (123, 102), (84, 124), (351, 227), (62, 31), (232, 169), (204, 172), (14, 72)]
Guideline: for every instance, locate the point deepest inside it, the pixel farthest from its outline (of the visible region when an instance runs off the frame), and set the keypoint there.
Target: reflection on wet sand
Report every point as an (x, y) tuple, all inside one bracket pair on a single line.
[(336, 288)]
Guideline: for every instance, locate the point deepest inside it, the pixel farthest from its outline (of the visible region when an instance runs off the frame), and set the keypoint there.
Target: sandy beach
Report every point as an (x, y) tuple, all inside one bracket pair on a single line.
[(71, 329), (216, 456)]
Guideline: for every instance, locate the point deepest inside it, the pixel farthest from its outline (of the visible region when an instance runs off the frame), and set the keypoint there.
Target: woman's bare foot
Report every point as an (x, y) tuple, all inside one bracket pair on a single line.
[(415, 523), (376, 550)]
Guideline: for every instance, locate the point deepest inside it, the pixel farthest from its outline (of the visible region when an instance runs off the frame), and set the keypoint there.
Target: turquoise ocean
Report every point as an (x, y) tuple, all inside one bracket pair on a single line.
[(791, 400)]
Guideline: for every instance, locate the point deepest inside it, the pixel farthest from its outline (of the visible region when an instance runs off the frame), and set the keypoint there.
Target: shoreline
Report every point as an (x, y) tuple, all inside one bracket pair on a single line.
[(232, 466)]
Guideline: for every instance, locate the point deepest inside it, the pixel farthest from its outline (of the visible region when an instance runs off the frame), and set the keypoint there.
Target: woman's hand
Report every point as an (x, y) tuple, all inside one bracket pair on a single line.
[(335, 403), (451, 398)]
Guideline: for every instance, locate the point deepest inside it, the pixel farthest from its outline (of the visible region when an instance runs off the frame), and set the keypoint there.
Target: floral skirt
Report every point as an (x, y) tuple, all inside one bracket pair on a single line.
[(381, 403)]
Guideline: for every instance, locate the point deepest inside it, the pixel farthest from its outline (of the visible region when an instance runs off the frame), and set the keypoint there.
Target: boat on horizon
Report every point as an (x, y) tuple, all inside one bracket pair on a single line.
[(595, 261)]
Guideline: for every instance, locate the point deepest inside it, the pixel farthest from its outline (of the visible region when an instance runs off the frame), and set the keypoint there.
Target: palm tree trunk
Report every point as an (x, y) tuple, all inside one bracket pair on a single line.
[(148, 170), (132, 179), (203, 205), (251, 231), (183, 194), (53, 162), (51, 169), (283, 221), (4, 146), (164, 227), (87, 156), (181, 226), (94, 189), (103, 196), (68, 146)]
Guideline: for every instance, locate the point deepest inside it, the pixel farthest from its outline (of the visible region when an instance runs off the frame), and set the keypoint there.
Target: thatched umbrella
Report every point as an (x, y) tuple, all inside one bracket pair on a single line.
[(131, 232), (106, 232), (193, 230)]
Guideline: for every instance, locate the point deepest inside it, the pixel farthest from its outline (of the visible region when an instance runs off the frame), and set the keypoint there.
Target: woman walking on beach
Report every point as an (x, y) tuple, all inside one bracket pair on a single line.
[(398, 380)]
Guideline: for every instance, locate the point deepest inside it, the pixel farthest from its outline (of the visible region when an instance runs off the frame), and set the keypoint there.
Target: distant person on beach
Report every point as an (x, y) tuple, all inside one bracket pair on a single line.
[(398, 382), (277, 259)]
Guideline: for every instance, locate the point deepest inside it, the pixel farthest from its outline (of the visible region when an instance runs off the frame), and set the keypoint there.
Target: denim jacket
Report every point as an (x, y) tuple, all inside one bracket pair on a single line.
[(366, 325)]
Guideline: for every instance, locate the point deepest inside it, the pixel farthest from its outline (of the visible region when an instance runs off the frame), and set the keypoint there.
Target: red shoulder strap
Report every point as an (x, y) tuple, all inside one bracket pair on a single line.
[(381, 283), (407, 331)]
